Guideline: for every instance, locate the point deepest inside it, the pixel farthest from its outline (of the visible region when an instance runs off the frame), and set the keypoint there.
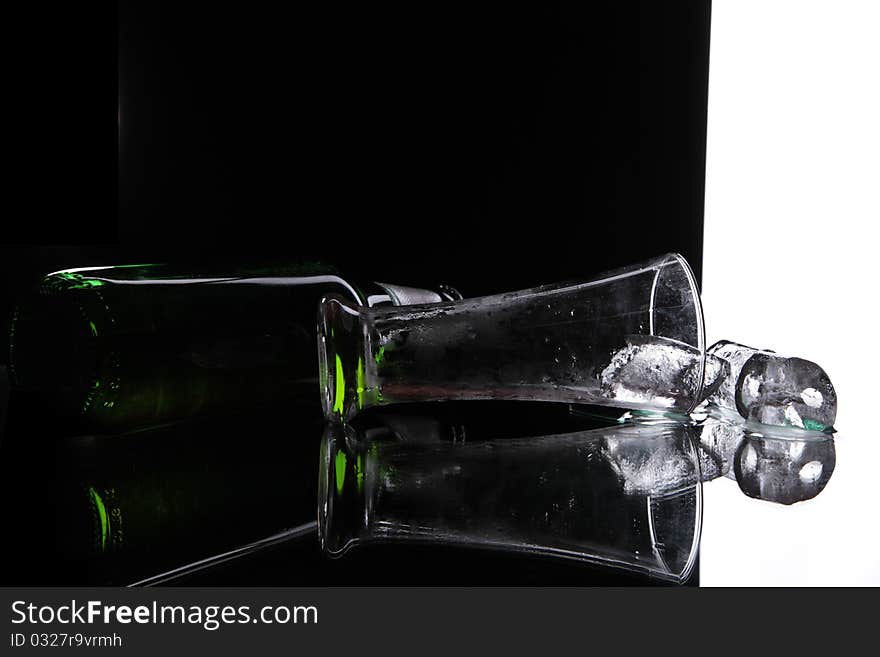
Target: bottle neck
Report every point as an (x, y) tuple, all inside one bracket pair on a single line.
[(388, 294)]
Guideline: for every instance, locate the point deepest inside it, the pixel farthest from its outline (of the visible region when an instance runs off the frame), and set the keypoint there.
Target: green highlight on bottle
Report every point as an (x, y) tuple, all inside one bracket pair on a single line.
[(339, 397), (98, 503), (90, 396), (340, 471), (86, 284), (361, 378), (70, 281)]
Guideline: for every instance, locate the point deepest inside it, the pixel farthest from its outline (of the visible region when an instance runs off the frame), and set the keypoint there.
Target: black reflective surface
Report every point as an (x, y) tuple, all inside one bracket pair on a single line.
[(495, 147), (121, 509)]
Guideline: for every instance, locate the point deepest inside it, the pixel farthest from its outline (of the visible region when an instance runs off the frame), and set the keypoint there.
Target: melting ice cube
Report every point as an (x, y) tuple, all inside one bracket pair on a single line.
[(655, 372), (735, 355), (772, 389), (787, 392)]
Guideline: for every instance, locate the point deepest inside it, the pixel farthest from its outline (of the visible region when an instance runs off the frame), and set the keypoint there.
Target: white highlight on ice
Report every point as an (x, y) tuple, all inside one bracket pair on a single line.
[(810, 472), (812, 397)]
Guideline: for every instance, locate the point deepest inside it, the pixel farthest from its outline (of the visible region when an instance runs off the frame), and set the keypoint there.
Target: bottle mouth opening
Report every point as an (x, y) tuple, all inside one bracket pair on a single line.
[(326, 377), (53, 345), (340, 360), (324, 501), (339, 507)]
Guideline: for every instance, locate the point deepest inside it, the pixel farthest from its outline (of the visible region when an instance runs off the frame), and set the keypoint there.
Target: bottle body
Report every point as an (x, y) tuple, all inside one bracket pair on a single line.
[(117, 348)]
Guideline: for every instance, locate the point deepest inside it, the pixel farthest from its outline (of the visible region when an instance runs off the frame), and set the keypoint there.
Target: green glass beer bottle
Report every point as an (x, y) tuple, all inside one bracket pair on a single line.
[(116, 348)]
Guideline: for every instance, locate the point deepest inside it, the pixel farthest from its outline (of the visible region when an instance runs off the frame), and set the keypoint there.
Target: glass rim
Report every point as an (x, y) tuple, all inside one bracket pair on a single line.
[(699, 319)]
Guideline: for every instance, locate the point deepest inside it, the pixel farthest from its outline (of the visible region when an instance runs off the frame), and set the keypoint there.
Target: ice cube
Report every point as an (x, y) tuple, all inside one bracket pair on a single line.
[(717, 372), (653, 372), (735, 355), (786, 392)]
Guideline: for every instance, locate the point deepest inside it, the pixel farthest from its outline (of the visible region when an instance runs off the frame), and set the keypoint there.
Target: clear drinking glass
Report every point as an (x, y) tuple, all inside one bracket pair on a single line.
[(626, 496), (628, 338)]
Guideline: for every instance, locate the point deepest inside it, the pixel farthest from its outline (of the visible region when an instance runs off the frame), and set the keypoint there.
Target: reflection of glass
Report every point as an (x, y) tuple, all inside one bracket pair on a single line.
[(631, 338), (626, 496)]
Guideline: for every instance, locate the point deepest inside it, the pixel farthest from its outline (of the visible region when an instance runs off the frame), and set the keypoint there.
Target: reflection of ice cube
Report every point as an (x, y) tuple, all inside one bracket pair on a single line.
[(782, 464), (784, 470), (786, 392), (651, 466), (721, 432), (652, 372)]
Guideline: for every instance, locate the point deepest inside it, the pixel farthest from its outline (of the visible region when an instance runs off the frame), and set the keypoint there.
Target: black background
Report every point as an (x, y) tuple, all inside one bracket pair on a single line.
[(505, 143), (490, 145)]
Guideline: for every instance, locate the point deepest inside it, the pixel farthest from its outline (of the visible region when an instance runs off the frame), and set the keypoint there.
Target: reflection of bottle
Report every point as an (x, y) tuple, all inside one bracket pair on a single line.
[(624, 496), (120, 508), (122, 347)]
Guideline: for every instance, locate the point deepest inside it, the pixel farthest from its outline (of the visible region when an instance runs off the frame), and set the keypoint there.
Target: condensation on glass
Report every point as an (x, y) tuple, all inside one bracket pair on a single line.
[(629, 338)]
